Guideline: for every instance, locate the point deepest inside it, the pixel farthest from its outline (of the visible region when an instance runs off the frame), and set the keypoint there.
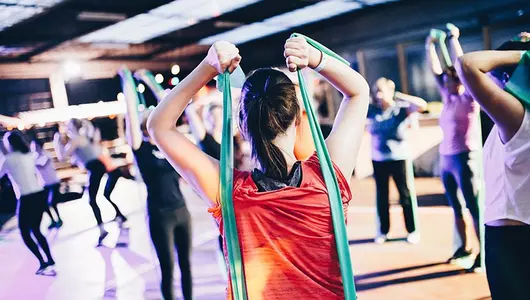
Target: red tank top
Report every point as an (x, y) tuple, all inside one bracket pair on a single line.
[(286, 237)]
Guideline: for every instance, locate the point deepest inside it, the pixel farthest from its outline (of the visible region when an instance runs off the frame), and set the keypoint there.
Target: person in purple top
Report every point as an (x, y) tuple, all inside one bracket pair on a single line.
[(461, 137)]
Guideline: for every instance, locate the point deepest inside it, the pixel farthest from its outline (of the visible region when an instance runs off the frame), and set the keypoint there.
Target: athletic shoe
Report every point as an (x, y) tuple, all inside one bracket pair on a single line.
[(381, 239), (477, 268), (459, 254), (413, 238), (121, 220), (53, 225), (102, 236), (59, 224), (41, 269)]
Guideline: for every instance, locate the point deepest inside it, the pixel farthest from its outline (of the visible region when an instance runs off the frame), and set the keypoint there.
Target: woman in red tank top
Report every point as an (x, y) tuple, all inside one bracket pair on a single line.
[(282, 208)]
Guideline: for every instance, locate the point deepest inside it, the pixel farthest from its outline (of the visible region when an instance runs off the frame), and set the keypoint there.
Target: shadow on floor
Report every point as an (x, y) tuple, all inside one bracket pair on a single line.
[(432, 200), (395, 271), (368, 241), (373, 285)]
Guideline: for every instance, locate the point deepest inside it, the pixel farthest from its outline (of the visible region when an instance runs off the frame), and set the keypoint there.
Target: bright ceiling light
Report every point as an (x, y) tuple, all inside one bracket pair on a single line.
[(159, 78), (163, 19), (71, 69), (141, 88), (175, 69), (309, 14), (120, 97), (174, 81)]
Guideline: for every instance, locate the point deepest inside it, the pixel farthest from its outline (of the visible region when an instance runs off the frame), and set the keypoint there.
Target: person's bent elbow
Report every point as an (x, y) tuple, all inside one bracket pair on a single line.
[(464, 64)]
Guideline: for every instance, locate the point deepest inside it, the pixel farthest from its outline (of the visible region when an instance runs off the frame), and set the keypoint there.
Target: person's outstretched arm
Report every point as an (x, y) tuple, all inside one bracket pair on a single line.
[(432, 56), (417, 103), (504, 109), (197, 168), (196, 123), (454, 43), (133, 130), (345, 138)]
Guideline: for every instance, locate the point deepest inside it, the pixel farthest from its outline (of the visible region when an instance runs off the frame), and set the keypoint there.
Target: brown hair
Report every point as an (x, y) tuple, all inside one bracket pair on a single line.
[(268, 107)]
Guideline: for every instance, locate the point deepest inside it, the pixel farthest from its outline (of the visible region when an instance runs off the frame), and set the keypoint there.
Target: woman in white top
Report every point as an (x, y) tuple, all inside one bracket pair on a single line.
[(506, 167), (49, 177), (19, 163)]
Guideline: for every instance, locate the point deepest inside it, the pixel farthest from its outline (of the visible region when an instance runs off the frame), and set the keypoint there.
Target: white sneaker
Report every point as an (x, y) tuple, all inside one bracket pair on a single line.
[(413, 238), (381, 239)]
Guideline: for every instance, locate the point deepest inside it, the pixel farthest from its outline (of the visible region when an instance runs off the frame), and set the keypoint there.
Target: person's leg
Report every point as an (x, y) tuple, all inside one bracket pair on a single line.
[(183, 244), (96, 170), (161, 230), (468, 185), (451, 189), (382, 176), (109, 187), (39, 203), (507, 263), (24, 225), (399, 173), (55, 197)]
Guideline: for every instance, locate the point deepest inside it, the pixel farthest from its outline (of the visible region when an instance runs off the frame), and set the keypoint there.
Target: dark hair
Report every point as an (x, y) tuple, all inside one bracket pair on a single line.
[(17, 142), (451, 72), (33, 137), (504, 73), (268, 107)]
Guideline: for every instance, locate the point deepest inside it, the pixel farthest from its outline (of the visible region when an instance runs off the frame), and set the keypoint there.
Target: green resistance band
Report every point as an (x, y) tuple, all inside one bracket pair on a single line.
[(128, 85), (335, 200), (441, 36), (237, 275), (519, 83)]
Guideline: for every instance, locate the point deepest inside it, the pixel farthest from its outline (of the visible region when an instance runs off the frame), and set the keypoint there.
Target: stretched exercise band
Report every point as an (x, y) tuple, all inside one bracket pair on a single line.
[(237, 275), (328, 172), (441, 36)]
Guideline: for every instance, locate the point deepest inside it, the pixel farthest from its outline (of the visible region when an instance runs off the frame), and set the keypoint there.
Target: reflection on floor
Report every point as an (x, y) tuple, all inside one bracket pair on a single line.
[(126, 268)]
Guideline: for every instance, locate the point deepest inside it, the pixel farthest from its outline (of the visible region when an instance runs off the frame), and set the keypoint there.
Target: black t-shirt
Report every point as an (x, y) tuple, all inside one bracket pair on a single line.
[(267, 184), (161, 180), (210, 146)]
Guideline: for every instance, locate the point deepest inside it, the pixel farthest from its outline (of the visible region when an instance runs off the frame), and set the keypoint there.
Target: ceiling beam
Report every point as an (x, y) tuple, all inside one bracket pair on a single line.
[(90, 69)]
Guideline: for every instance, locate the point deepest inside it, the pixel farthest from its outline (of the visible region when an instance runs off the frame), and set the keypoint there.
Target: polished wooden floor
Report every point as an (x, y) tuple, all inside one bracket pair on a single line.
[(126, 267)]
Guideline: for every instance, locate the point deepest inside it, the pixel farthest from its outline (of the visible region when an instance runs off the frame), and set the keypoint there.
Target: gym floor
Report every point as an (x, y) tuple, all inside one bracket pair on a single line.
[(396, 270)]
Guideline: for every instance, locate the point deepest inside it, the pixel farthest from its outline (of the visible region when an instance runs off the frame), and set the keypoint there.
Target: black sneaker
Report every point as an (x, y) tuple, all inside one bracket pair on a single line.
[(477, 266), (41, 269), (59, 224), (52, 225), (460, 253), (102, 236)]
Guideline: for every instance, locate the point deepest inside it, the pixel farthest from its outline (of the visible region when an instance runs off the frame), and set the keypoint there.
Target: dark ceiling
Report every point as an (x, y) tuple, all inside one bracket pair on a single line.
[(53, 35)]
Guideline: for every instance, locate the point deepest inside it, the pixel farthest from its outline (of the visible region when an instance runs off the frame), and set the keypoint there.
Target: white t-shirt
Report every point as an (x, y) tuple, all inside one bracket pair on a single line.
[(507, 175), (22, 171), (46, 169)]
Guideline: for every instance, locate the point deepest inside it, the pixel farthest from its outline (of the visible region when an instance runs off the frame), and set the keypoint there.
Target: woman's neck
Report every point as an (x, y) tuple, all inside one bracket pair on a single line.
[(286, 143)]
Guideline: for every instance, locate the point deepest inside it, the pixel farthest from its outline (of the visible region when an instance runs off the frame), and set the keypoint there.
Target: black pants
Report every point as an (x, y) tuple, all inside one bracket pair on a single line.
[(30, 212), (508, 262), (172, 229), (457, 172), (382, 172), (54, 195), (96, 171)]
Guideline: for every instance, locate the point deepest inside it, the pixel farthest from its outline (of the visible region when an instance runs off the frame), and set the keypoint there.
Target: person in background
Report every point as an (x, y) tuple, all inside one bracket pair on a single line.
[(20, 164), (169, 218), (390, 151), (49, 177), (86, 153), (486, 74), (459, 121)]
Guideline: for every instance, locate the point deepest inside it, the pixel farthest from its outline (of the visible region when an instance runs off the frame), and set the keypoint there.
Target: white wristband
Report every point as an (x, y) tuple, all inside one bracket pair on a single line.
[(322, 63)]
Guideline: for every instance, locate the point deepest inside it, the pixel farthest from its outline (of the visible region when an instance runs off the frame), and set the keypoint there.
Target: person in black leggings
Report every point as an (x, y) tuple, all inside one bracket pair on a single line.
[(87, 154), (20, 165), (169, 219)]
